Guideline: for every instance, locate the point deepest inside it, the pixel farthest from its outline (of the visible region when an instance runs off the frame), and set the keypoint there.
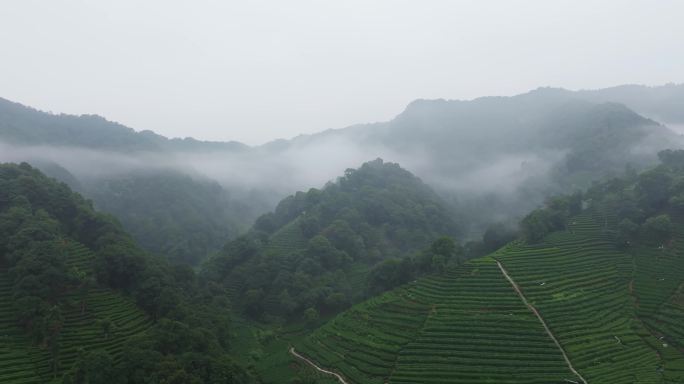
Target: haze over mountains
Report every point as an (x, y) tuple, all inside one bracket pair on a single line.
[(400, 258), (493, 158), (342, 192)]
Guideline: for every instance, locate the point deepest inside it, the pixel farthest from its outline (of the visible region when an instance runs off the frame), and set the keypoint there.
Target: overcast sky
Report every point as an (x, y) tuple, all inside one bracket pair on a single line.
[(254, 71)]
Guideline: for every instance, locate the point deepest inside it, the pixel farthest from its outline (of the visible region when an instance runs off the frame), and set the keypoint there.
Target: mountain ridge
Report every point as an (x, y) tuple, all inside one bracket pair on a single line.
[(597, 95)]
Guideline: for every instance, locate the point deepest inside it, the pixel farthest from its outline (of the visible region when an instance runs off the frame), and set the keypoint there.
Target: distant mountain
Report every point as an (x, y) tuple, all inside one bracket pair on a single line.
[(663, 103), (492, 158), (460, 136), (27, 126), (171, 213), (168, 206), (21, 125), (316, 249), (498, 157), (180, 215)]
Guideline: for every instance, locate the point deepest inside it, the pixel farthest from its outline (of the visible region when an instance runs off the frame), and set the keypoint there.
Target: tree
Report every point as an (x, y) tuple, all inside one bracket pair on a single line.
[(672, 158), (287, 304), (344, 238), (119, 263), (336, 301), (658, 229), (53, 323), (253, 302), (677, 202), (438, 263), (536, 225), (319, 248), (84, 282), (93, 367), (310, 225), (311, 316), (450, 250), (443, 246), (30, 313), (389, 274), (266, 223), (653, 188), (496, 236), (627, 232)]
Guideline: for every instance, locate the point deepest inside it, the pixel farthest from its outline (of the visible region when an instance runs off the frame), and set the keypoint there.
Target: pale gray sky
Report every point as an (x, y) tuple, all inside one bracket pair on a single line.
[(254, 71)]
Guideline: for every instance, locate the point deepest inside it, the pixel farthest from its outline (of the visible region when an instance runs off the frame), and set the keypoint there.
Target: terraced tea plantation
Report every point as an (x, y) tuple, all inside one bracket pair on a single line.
[(659, 298), (580, 285), (21, 362), (287, 239), (442, 329), (618, 316), (16, 362)]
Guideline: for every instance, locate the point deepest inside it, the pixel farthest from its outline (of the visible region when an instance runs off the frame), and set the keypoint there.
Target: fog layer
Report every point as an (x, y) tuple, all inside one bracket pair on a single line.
[(493, 158)]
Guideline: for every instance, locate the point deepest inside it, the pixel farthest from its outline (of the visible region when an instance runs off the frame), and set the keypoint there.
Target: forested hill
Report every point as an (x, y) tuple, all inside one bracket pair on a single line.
[(182, 216), (497, 158), (81, 303), (591, 293), (314, 253), (169, 207), (23, 125), (173, 214), (493, 159)]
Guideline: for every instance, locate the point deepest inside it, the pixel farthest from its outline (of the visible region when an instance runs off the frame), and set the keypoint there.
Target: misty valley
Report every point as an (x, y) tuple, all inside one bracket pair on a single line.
[(536, 238)]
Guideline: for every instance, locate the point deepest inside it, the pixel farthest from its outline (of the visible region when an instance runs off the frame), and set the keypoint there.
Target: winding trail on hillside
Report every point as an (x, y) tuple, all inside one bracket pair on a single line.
[(316, 367), (536, 313)]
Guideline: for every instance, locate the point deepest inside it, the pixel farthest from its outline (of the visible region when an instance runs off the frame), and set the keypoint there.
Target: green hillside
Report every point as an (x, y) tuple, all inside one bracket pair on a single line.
[(607, 282), (470, 326), (82, 330), (81, 303), (493, 159), (315, 251), (465, 326), (170, 208), (181, 217), (497, 158)]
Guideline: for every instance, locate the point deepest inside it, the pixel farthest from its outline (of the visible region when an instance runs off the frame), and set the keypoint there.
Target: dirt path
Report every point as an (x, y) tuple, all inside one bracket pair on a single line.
[(536, 313), (316, 367)]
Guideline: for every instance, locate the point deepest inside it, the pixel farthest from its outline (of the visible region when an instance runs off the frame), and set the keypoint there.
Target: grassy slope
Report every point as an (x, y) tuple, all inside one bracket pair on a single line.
[(618, 315)]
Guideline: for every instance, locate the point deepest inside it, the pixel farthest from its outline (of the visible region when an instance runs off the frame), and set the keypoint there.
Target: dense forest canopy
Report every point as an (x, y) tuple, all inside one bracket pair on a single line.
[(637, 207), (171, 213), (315, 250), (60, 254)]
